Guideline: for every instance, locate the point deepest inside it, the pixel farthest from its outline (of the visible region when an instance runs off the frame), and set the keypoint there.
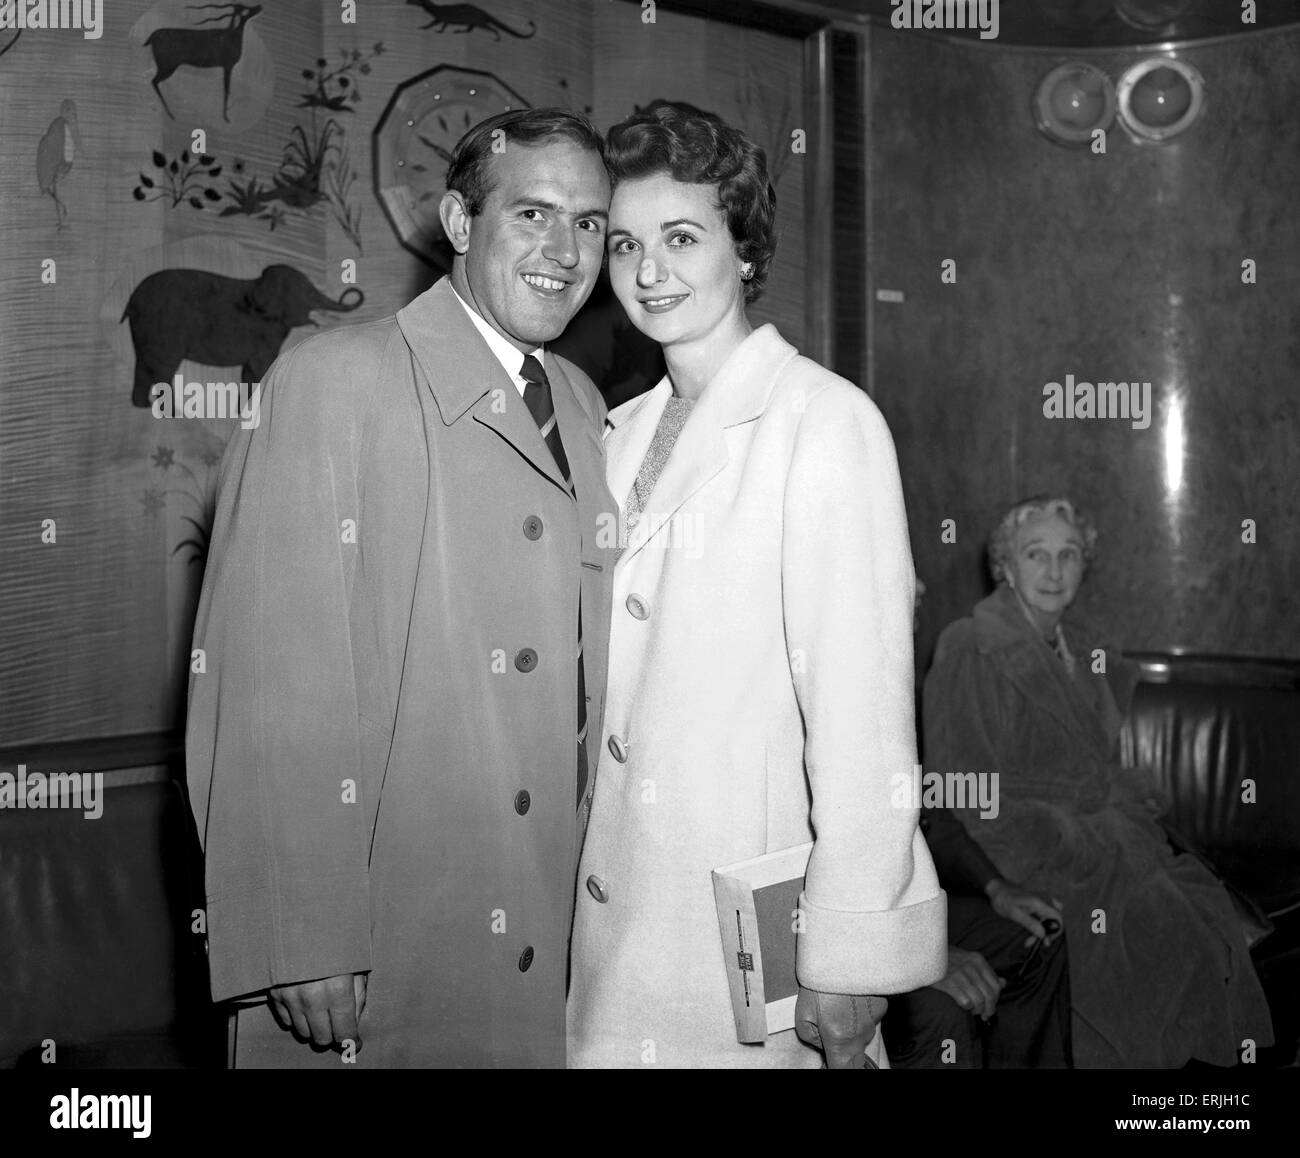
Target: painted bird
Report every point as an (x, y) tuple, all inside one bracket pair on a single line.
[(55, 154)]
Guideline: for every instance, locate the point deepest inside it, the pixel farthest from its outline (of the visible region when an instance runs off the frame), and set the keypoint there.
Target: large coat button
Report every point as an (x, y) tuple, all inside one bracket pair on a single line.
[(532, 527), (596, 887), (526, 660), (639, 608), (522, 802), (525, 959), (618, 749)]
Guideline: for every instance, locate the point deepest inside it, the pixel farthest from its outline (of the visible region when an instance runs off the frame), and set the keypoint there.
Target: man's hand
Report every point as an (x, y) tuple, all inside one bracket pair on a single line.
[(971, 982), (1027, 909), (840, 1025), (325, 1012)]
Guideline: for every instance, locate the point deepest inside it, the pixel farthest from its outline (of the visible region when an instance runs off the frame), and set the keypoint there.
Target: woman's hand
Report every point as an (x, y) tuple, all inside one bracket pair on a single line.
[(840, 1025)]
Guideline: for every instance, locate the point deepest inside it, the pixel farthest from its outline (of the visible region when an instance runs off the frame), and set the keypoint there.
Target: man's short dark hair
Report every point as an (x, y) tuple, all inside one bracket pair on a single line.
[(469, 173), (700, 148)]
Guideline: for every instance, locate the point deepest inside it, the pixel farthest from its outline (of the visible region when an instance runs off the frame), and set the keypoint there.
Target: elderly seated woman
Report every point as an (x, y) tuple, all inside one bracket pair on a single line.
[(1160, 971)]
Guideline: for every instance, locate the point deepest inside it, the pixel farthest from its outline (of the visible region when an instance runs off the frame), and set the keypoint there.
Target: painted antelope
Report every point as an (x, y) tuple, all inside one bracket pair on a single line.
[(202, 47)]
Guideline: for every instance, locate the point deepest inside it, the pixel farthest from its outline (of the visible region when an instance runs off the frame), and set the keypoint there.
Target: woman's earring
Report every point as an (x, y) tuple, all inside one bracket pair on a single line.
[(747, 271)]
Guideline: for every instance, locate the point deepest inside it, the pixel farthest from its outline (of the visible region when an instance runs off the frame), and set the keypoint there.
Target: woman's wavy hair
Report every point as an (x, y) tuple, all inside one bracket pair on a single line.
[(1002, 541), (700, 148)]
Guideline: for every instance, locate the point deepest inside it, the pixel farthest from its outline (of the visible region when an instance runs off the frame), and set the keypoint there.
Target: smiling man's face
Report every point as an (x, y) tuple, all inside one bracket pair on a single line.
[(531, 258)]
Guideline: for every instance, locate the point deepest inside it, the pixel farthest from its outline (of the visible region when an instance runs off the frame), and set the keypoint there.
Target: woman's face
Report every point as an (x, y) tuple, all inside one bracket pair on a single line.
[(1047, 565), (672, 262)]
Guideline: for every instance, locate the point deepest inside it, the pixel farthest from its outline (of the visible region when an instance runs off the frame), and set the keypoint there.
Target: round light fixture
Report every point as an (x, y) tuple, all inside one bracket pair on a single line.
[(1073, 101), (1159, 98)]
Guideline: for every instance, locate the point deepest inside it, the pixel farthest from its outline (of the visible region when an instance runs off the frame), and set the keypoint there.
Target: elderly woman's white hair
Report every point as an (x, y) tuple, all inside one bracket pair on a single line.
[(1002, 542)]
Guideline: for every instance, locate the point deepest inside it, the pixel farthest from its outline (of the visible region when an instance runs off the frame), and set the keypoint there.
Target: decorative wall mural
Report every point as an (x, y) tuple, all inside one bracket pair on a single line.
[(220, 321), (340, 177), (206, 63), (55, 155), (466, 18), (181, 179), (767, 117), (221, 47), (337, 89), (567, 102), (316, 165), (298, 184), (414, 139), (201, 494)]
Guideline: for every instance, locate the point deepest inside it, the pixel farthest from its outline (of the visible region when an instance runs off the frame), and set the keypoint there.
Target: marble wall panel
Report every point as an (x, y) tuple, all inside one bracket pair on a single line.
[(1122, 266)]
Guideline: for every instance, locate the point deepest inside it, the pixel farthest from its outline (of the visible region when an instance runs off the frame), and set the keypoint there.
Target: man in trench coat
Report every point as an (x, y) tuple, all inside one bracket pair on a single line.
[(383, 749)]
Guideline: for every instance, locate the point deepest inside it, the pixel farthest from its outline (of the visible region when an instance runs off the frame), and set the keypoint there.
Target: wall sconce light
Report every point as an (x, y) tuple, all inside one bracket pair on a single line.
[(1073, 101), (1159, 98)]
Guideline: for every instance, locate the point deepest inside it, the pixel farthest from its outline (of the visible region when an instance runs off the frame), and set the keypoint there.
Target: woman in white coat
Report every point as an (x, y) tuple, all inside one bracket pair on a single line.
[(760, 687)]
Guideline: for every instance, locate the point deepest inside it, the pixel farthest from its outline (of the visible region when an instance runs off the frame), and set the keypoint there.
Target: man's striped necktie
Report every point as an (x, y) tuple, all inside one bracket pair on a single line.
[(537, 397)]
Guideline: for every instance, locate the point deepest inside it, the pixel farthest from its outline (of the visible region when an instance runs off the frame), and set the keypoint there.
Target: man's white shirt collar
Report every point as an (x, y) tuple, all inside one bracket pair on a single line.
[(511, 359)]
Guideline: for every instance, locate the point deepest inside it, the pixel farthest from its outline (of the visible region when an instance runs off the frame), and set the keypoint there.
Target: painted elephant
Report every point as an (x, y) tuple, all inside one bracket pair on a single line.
[(220, 321)]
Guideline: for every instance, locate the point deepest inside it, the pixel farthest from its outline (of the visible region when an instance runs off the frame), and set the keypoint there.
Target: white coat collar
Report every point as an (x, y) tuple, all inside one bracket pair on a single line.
[(739, 392)]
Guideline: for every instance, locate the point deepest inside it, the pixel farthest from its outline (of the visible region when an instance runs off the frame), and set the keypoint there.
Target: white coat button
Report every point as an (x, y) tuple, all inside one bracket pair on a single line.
[(596, 887), (639, 608), (618, 749)]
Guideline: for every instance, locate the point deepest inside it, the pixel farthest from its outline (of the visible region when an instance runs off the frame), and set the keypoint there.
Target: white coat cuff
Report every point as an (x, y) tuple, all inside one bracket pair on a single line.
[(891, 951)]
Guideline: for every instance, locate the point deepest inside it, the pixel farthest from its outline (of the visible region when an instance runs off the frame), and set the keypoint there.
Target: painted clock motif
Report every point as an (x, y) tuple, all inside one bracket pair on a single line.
[(413, 143)]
